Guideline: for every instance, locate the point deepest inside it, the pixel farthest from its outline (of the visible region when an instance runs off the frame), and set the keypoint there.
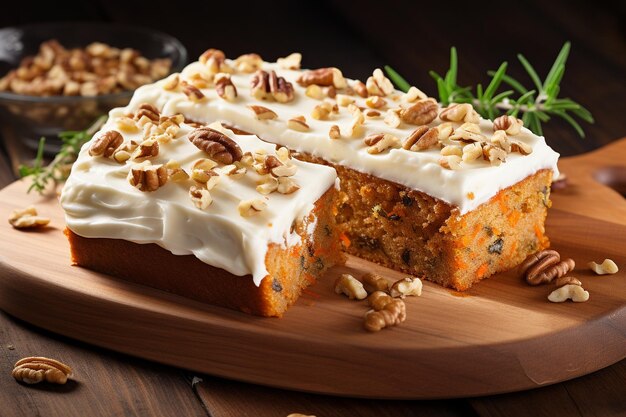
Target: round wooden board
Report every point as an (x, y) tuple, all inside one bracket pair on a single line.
[(500, 336)]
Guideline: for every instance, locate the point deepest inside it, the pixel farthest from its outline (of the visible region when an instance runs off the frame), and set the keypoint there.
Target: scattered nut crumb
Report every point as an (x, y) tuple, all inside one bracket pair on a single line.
[(606, 267), (373, 282), (576, 293), (27, 218), (351, 287), (406, 287)]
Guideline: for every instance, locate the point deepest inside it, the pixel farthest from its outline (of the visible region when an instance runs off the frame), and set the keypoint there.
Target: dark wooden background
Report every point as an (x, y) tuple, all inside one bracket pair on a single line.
[(413, 37)]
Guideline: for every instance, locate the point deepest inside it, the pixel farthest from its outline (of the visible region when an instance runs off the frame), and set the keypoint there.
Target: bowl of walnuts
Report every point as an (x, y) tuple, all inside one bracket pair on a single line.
[(58, 77)]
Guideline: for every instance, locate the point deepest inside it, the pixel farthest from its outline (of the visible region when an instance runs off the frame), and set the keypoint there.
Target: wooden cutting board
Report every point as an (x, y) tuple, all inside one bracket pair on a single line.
[(500, 336)]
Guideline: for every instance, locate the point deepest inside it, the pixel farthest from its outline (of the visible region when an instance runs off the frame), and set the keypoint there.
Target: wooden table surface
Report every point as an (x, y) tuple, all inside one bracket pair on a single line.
[(355, 39)]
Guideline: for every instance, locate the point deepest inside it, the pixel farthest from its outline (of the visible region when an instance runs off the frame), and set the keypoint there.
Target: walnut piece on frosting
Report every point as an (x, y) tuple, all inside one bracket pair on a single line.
[(248, 208)]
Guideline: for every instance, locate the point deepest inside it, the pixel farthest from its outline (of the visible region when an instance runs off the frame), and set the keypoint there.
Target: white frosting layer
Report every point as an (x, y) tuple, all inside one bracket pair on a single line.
[(467, 188), (99, 202)]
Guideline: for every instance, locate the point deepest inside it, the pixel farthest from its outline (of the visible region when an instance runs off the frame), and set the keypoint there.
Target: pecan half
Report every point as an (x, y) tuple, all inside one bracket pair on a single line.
[(544, 266), (422, 138), (323, 77), (148, 110), (33, 370), (281, 89), (269, 85), (192, 92), (420, 113), (217, 145), (105, 143)]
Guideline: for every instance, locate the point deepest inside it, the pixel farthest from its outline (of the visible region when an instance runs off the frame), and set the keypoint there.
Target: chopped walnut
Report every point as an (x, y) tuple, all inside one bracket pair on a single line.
[(378, 299), (375, 102), (292, 61), (393, 313), (509, 124), (360, 89), (501, 140), (322, 111), (451, 150), (460, 113), (172, 82), (392, 118), (27, 219), (147, 110), (263, 113), (207, 177), (192, 92), (314, 91), (472, 151), (494, 155), (200, 197), (283, 154), (608, 266), (452, 162), (380, 142), (248, 63), (268, 185), (358, 119), (468, 132), (334, 132), (225, 88), (126, 124), (406, 287), (146, 177), (414, 94), (344, 100), (298, 123), (351, 287), (234, 171), (248, 208), (576, 293), (284, 170), (213, 59), (521, 147), (378, 84), (287, 185), (373, 282), (104, 143)]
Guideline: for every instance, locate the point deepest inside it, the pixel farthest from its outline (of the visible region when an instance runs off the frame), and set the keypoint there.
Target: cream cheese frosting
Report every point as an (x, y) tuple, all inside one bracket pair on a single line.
[(99, 202), (466, 189)]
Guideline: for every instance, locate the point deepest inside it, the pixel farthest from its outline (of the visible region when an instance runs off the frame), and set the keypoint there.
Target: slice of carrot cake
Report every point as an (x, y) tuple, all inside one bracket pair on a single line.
[(436, 192), (200, 211)]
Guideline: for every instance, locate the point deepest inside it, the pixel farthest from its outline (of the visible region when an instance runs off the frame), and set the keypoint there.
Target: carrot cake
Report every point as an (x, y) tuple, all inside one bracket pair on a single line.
[(435, 192), (201, 212)]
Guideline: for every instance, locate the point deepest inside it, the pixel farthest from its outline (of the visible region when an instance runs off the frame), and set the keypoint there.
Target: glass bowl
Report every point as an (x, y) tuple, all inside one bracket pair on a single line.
[(24, 119)]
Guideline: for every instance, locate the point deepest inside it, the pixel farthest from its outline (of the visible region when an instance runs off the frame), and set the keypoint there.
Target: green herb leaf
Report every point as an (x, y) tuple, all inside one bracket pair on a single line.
[(397, 79)]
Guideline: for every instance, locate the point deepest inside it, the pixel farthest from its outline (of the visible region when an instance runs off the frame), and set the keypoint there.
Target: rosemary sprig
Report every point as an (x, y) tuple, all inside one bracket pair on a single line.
[(59, 168), (536, 106)]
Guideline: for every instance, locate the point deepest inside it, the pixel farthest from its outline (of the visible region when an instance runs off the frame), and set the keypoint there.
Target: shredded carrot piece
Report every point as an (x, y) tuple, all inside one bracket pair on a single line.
[(514, 218), (538, 232), (482, 270), (345, 240), (459, 264)]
